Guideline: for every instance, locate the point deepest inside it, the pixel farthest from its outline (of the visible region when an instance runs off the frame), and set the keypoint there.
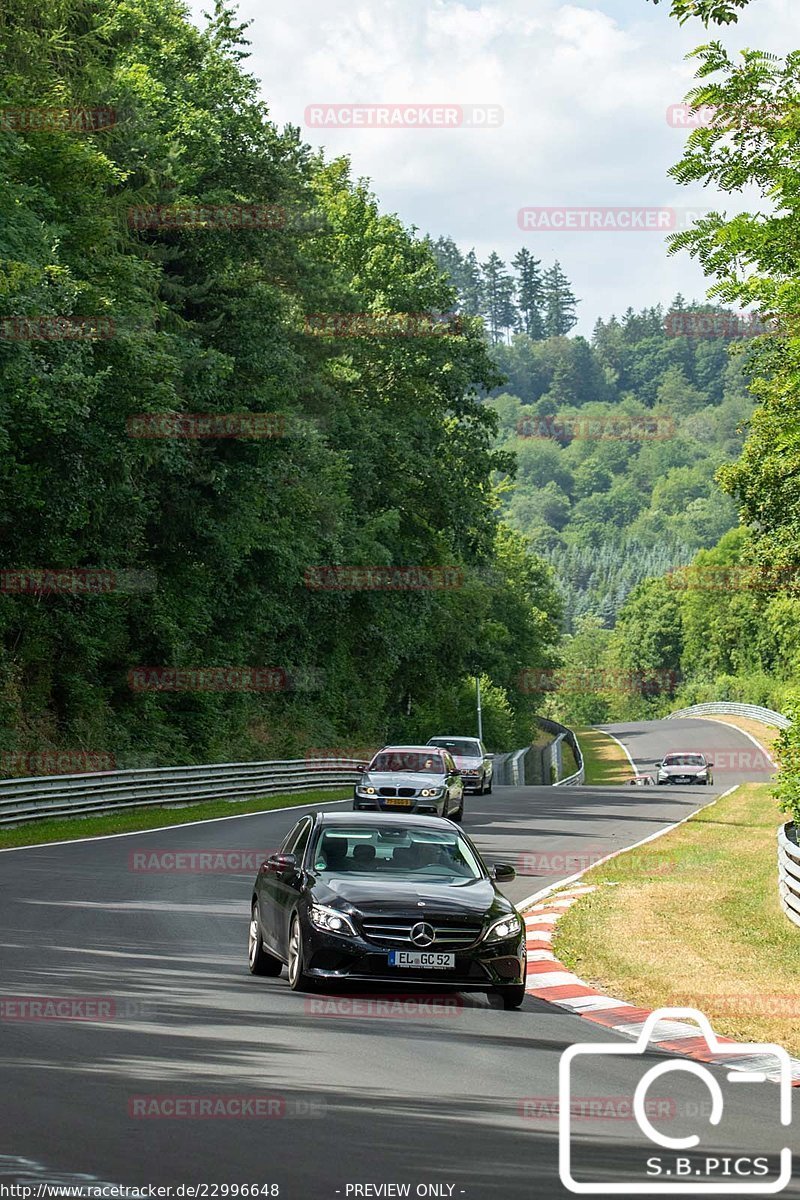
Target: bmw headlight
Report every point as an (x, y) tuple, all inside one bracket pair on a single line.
[(365, 791), (432, 792), (330, 920), (505, 928)]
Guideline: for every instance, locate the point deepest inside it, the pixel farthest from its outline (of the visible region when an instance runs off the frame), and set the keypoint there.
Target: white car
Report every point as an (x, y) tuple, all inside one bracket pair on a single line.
[(686, 766), (474, 764)]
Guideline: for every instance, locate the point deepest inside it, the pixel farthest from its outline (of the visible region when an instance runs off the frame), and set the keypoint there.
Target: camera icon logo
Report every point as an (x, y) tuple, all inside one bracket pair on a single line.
[(780, 1069)]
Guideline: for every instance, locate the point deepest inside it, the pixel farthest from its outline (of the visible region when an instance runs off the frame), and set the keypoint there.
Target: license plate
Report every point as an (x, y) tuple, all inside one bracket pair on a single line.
[(423, 958), (682, 779), (399, 803)]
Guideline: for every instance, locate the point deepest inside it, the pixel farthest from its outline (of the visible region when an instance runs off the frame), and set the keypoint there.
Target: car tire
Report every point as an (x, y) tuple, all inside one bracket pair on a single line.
[(459, 816), (298, 980), (489, 788), (513, 996), (258, 960)]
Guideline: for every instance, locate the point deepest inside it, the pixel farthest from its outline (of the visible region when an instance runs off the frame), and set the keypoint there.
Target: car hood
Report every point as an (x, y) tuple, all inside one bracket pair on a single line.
[(465, 897), (467, 761), (694, 769), (414, 779)]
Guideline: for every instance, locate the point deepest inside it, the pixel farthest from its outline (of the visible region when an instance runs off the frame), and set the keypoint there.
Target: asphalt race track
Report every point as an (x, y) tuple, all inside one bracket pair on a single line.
[(423, 1097)]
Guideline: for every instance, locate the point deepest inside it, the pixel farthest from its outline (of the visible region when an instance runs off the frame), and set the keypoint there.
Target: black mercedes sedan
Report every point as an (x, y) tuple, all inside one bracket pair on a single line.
[(386, 898)]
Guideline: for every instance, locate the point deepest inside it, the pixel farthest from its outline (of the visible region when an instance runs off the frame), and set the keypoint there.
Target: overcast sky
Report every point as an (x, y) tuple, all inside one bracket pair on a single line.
[(584, 88)]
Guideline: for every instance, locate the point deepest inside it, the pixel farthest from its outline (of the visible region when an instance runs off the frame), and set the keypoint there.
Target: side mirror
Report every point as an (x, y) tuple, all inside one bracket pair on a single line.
[(503, 873), (709, 762), (658, 763), (281, 864)]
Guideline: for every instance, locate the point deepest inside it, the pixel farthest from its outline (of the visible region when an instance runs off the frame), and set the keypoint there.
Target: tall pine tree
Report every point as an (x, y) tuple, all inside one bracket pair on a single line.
[(499, 308), (560, 303), (530, 293)]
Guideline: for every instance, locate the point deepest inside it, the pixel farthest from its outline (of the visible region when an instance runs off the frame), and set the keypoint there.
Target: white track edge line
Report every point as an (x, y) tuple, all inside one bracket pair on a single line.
[(552, 887), (105, 837)]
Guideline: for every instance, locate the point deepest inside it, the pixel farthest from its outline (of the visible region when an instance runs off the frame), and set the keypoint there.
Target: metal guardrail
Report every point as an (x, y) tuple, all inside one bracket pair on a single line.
[(726, 708), (552, 753), (106, 791), (789, 874)]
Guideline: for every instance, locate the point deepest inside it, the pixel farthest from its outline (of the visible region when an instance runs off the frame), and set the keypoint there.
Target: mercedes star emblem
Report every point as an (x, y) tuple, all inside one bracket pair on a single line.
[(422, 934)]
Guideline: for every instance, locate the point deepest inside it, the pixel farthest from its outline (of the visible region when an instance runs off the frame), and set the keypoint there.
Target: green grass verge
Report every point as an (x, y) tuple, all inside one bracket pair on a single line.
[(694, 920), (131, 820), (604, 760)]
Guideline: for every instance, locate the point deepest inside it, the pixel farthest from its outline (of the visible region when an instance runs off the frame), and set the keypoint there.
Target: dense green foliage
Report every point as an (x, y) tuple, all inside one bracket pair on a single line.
[(617, 444), (387, 458), (730, 628), (528, 300)]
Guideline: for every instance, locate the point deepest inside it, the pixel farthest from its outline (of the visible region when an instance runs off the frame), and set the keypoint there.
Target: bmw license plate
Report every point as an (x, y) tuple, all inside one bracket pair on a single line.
[(422, 958), (399, 803)]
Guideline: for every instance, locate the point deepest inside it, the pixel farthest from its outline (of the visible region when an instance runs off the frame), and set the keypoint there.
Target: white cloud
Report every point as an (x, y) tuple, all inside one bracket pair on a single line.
[(584, 87)]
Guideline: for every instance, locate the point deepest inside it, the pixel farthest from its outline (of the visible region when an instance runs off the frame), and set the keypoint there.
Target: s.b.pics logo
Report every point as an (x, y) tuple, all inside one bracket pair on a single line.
[(685, 1158)]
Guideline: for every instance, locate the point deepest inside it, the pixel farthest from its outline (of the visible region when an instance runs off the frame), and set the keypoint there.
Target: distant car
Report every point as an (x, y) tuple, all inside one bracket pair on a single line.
[(383, 898), (469, 755), (414, 779), (685, 767), (641, 781)]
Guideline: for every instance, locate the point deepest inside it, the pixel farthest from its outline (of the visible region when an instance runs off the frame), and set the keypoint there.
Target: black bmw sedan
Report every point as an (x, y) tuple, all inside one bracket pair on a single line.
[(390, 898)]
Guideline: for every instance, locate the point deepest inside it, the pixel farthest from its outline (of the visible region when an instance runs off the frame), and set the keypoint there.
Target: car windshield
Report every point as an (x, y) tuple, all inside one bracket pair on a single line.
[(391, 852), (684, 760), (464, 747), (408, 762)]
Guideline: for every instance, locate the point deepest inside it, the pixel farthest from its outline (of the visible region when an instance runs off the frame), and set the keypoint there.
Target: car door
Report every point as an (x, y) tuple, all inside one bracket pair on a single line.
[(488, 765), (287, 886), (455, 787), (268, 889)]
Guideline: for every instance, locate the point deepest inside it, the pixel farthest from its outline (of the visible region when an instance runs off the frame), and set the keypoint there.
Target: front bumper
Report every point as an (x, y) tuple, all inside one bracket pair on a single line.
[(421, 805), (681, 780), (331, 958)]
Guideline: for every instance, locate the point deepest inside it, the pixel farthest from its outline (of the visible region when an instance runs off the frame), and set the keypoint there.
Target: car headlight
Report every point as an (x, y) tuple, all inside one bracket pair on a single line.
[(506, 927), (432, 792), (365, 791), (331, 920)]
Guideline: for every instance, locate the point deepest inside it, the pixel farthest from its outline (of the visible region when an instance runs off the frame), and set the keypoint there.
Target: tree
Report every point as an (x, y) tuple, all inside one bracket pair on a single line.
[(530, 293), (720, 12), (559, 303), (498, 297)]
